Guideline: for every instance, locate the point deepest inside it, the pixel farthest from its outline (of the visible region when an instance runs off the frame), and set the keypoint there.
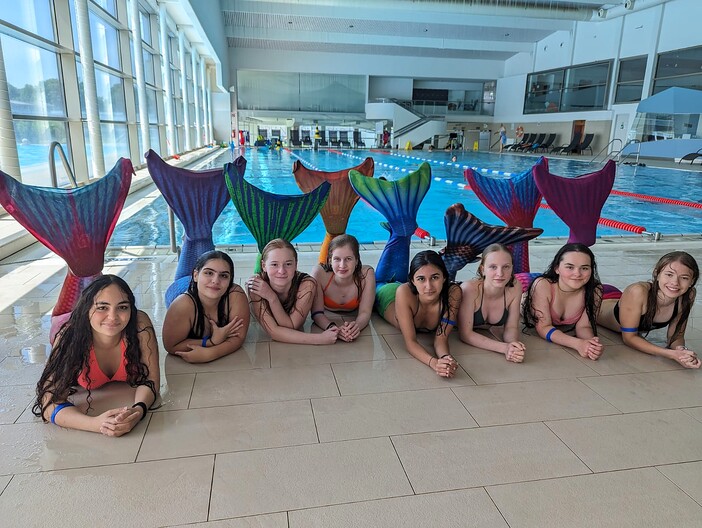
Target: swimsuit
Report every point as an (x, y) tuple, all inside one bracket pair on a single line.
[(654, 325), (556, 319), (97, 377), (479, 319), (333, 305)]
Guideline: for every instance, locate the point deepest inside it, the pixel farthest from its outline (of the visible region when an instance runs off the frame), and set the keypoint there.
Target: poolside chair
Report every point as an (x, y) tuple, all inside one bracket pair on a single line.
[(691, 157), (527, 138), (334, 139), (585, 145), (537, 141), (543, 147), (566, 149), (323, 141), (357, 141), (344, 139), (306, 141), (295, 138)]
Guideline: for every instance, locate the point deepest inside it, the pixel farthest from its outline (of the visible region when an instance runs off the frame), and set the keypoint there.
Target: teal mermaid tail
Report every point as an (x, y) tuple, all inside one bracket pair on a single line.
[(267, 215), (467, 236), (197, 198), (398, 201), (76, 224)]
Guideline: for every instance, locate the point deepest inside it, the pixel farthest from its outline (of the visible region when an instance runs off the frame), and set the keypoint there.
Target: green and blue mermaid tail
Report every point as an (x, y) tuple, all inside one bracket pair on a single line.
[(197, 198)]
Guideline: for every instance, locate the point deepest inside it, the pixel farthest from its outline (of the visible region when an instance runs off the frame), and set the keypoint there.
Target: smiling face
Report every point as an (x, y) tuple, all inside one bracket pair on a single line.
[(497, 269), (428, 280), (343, 261), (280, 267), (213, 279), (675, 279), (111, 311), (574, 270)]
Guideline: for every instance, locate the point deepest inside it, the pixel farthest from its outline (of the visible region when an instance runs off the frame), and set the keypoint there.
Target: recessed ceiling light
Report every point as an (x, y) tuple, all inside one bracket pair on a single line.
[(351, 26), (289, 21), (425, 30), (506, 34)]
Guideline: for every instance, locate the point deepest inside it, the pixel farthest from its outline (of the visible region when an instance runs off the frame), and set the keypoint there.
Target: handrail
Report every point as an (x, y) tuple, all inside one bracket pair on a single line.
[(605, 148), (412, 126), (638, 154), (66, 165), (408, 107)]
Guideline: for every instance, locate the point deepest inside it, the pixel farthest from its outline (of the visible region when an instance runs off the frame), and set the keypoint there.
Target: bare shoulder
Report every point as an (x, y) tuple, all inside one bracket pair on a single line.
[(319, 273), (637, 291), (367, 271), (236, 290), (308, 284), (541, 285), (143, 321), (471, 288)]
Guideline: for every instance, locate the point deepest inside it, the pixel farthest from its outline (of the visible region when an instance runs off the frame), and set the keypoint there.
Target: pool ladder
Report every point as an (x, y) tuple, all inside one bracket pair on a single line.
[(616, 155), (64, 160)]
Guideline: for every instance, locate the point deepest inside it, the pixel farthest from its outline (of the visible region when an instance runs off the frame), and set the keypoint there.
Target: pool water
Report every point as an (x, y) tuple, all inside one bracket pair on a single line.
[(272, 170)]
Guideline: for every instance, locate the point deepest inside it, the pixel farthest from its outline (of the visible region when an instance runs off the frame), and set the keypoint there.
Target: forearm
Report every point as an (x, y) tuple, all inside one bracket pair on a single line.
[(321, 320), (510, 334), (363, 319), (441, 346), (481, 341), (182, 346), (280, 315), (637, 342), (297, 337), (72, 418), (418, 351), (144, 394), (558, 337)]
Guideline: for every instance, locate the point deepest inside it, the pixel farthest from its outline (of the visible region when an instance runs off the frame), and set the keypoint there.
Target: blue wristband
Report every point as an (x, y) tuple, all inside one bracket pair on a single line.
[(448, 321), (204, 341), (548, 335), (58, 408), (625, 329)]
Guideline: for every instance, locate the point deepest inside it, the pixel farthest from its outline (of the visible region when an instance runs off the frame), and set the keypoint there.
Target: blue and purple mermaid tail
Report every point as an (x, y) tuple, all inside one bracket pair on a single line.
[(467, 236), (76, 224), (398, 201), (577, 201), (514, 200), (267, 215), (342, 197), (197, 198)]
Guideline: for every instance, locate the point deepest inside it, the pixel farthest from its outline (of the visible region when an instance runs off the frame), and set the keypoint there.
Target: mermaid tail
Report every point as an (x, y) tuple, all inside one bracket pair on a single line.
[(513, 200), (76, 224), (342, 197), (577, 201), (398, 201), (467, 236), (197, 198), (269, 216)]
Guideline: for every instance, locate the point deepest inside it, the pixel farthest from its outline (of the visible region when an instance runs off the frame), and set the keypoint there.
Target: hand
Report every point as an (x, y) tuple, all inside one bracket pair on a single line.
[(261, 288), (117, 422), (515, 352), (445, 367), (591, 348), (196, 354), (349, 331), (329, 336), (687, 358), (221, 333)]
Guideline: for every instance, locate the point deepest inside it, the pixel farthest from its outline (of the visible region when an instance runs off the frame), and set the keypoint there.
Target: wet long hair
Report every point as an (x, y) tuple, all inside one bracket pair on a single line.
[(71, 354), (593, 287), (350, 241), (429, 257), (198, 329), (685, 300), (290, 300), (494, 248)]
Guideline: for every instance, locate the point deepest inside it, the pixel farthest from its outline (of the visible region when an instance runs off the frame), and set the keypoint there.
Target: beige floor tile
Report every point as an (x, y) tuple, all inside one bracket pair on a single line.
[(146, 494), (379, 326), (695, 412), (397, 344), (451, 509), (14, 400), (362, 349), (4, 481), (224, 429), (14, 371), (621, 359), (624, 499), (262, 385), (551, 363), (606, 443), (688, 477), (274, 520), (289, 478), (249, 356), (175, 394), (392, 375), (394, 413), (481, 457), (650, 391), (532, 401)]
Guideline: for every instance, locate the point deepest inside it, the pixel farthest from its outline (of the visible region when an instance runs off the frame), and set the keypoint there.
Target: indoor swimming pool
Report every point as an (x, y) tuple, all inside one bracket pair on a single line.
[(271, 170)]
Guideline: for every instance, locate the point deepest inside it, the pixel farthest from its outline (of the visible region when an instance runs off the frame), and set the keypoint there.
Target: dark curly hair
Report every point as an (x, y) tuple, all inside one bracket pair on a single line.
[(71, 353), (223, 305)]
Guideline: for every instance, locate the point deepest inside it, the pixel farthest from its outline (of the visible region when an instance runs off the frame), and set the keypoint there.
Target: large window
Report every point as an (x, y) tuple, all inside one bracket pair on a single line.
[(630, 80), (679, 68), (574, 89)]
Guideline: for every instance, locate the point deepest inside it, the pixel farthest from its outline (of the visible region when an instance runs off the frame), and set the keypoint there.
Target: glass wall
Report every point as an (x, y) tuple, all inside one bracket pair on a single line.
[(630, 80), (679, 68)]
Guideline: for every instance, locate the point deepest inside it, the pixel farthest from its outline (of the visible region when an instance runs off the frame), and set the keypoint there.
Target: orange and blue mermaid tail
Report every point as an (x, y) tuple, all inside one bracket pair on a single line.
[(197, 198), (467, 236), (514, 200), (76, 224), (398, 201), (577, 201), (342, 197), (267, 215)]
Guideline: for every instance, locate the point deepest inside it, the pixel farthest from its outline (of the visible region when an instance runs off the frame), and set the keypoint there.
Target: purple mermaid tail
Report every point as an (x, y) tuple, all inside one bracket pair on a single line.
[(197, 198), (577, 201), (76, 224), (467, 236), (514, 200)]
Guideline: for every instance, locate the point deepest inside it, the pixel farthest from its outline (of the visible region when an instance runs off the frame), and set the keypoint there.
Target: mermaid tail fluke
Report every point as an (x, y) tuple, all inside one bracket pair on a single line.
[(467, 236), (398, 201), (197, 198), (577, 201), (342, 197), (269, 216), (514, 200)]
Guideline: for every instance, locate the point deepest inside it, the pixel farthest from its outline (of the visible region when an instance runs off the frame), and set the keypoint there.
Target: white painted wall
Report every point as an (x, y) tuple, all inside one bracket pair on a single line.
[(681, 25), (640, 30), (389, 88), (554, 51)]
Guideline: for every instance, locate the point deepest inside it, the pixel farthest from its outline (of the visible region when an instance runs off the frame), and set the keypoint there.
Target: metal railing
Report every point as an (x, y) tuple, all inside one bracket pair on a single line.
[(609, 155), (64, 160)]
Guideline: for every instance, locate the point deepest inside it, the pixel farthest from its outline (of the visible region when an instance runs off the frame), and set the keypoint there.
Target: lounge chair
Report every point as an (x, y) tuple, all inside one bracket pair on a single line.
[(295, 138), (334, 139), (543, 147), (306, 141), (357, 141), (344, 139), (585, 145), (566, 149), (537, 141), (323, 142), (526, 138), (691, 157)]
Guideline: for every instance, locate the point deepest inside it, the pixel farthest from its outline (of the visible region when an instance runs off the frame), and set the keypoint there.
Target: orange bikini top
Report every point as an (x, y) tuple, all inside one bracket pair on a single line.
[(97, 377), (330, 304)]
